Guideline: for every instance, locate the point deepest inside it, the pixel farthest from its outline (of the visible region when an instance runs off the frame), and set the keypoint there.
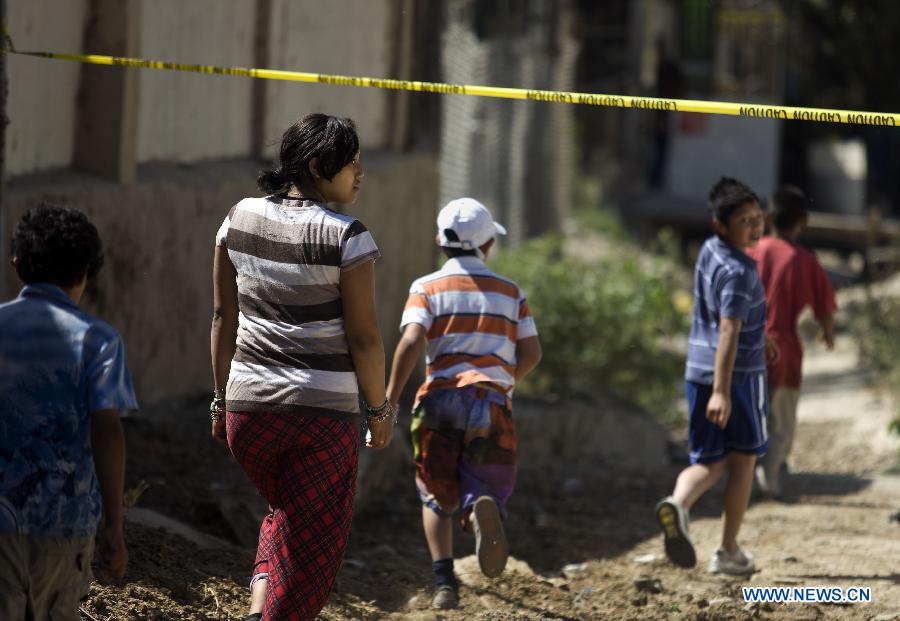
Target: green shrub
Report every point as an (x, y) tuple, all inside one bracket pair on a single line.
[(876, 325), (602, 324)]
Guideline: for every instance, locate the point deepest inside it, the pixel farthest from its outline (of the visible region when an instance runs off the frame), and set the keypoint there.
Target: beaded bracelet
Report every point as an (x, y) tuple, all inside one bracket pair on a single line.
[(380, 408), (383, 412), (217, 406)]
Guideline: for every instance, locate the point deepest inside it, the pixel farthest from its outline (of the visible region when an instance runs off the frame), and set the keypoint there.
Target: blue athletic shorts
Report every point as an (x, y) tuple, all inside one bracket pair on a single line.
[(746, 428)]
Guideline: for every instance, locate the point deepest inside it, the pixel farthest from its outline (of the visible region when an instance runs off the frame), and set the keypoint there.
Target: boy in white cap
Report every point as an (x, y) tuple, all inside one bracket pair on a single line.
[(480, 339)]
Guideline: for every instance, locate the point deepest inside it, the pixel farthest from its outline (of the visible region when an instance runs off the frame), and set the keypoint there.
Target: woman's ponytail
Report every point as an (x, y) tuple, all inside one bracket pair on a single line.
[(273, 181)]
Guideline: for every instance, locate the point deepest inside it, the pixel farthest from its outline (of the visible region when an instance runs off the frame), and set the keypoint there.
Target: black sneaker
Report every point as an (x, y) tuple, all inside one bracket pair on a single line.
[(445, 597), (491, 546), (672, 519)]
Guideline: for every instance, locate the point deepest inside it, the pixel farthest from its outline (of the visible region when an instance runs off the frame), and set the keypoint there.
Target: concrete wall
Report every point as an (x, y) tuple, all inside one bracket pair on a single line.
[(158, 237), (189, 117), (398, 204), (340, 36), (186, 117), (42, 93)]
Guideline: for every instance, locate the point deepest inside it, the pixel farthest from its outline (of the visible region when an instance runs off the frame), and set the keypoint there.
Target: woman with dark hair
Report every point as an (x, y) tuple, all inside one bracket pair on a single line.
[(295, 343)]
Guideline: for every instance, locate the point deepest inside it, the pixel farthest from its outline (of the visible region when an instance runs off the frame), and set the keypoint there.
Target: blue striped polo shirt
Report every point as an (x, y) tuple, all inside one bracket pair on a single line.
[(726, 284)]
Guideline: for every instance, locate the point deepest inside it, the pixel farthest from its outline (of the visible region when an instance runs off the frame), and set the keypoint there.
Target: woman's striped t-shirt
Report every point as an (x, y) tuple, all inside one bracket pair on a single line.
[(292, 353), (473, 319)]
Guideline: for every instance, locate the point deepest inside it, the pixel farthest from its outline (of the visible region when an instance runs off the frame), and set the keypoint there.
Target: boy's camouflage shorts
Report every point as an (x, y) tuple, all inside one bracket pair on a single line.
[(464, 443)]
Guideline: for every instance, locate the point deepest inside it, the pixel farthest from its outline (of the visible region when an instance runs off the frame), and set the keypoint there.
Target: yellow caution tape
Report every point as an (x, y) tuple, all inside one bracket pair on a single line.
[(823, 115)]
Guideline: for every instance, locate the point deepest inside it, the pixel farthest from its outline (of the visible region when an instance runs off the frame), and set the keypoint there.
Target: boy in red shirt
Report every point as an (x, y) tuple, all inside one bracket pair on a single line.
[(792, 278)]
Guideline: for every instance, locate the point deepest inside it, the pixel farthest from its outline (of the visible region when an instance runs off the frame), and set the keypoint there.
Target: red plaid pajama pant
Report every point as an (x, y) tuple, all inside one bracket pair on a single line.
[(305, 467)]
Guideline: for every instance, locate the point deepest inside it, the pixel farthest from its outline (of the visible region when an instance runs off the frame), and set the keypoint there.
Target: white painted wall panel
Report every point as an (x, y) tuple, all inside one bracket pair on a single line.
[(186, 117), (42, 103), (741, 147), (346, 37)]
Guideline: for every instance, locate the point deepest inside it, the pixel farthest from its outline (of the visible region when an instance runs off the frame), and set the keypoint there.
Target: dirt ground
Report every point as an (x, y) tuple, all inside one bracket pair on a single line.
[(584, 540)]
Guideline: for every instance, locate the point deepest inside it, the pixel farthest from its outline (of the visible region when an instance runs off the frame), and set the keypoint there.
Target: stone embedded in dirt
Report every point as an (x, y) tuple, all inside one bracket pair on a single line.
[(580, 598), (574, 570), (558, 582), (383, 549), (790, 559), (718, 601), (489, 602), (354, 563), (641, 600), (787, 581), (648, 584), (645, 559), (573, 486), (888, 616), (243, 515), (541, 520), (580, 601), (154, 519)]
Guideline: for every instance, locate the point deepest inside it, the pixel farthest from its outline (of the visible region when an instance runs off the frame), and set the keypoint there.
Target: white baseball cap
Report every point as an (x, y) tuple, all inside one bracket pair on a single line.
[(470, 220)]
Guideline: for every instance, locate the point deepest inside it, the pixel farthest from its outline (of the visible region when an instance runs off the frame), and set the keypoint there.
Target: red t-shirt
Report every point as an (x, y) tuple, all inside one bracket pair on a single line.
[(793, 279)]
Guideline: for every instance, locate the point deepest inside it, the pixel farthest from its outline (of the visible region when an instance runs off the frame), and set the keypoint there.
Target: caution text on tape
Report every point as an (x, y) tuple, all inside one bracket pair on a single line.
[(821, 115)]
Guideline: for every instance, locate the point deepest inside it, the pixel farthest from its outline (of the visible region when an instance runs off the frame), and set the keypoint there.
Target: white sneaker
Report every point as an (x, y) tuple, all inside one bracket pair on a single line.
[(740, 564), (673, 520)]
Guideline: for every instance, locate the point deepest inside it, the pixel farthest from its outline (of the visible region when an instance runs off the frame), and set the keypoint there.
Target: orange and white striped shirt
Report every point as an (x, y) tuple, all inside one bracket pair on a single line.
[(473, 319)]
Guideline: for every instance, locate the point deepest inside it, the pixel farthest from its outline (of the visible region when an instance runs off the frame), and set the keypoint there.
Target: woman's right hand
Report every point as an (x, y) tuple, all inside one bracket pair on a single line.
[(219, 432), (380, 433)]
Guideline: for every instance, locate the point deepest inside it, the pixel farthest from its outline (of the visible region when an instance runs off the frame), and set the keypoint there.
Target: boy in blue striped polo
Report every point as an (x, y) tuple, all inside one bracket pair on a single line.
[(726, 380)]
